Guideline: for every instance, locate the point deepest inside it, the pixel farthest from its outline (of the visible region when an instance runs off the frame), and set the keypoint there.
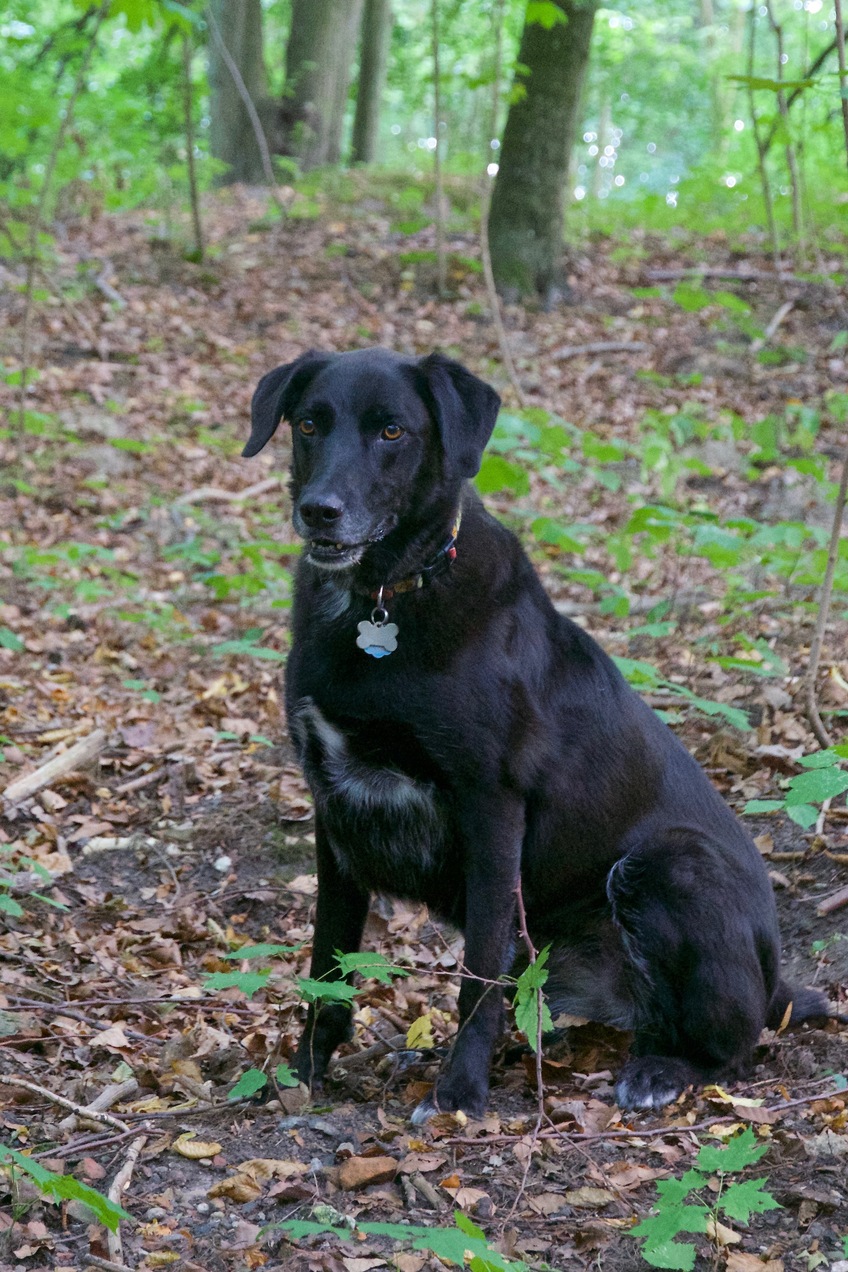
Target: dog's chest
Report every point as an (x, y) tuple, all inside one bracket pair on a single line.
[(387, 829)]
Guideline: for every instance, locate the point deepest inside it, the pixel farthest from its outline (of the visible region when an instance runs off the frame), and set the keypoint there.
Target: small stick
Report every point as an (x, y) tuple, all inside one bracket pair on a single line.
[(79, 1109), (106, 1264), (783, 312), (75, 757), (532, 954), (138, 783), (119, 1185), (214, 494), (835, 901), (110, 1095), (598, 346)]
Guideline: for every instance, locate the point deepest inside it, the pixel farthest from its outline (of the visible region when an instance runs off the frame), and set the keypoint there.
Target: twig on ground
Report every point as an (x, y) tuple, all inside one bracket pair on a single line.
[(740, 275), (598, 346), (215, 494), (118, 1186), (106, 1264), (810, 701), (77, 756), (783, 312), (109, 1096), (138, 783), (79, 1109), (835, 901)]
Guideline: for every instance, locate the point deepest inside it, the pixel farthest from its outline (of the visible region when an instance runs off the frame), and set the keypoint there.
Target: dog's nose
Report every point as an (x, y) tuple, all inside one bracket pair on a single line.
[(321, 515)]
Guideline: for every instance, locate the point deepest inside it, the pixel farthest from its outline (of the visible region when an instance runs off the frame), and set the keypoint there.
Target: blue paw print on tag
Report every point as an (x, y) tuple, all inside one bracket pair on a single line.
[(377, 639)]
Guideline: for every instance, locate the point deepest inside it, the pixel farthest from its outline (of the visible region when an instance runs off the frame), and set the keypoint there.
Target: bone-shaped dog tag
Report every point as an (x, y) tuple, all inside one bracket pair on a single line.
[(377, 639)]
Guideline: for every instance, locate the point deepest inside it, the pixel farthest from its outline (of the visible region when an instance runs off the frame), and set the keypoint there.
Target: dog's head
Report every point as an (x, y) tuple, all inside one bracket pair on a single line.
[(377, 439)]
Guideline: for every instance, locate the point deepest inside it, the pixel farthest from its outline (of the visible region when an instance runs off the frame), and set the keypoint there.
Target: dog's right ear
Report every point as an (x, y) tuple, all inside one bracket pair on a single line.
[(276, 393)]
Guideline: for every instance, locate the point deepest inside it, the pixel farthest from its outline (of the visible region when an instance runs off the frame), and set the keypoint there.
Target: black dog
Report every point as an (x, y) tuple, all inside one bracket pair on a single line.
[(459, 735)]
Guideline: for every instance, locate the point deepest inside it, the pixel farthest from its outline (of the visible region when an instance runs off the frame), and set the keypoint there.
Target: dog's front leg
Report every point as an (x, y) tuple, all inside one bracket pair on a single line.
[(340, 916), (492, 831)]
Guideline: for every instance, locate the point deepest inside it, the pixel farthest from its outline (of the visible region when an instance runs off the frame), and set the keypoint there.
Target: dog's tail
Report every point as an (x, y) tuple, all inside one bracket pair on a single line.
[(801, 1004)]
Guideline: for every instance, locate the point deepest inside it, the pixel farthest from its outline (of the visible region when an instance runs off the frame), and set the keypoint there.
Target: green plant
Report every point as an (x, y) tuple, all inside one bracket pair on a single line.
[(686, 1205), (56, 1187), (452, 1245), (823, 779)]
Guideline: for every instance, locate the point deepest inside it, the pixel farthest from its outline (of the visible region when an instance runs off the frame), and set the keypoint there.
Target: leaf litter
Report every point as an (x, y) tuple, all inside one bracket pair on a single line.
[(140, 595)]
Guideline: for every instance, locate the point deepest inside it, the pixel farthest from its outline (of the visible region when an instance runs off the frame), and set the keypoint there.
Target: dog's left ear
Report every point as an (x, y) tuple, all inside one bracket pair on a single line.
[(275, 395), (465, 409)]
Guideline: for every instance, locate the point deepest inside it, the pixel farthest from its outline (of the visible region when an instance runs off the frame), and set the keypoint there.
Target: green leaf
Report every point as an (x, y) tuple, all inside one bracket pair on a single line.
[(763, 806), (804, 815), (65, 1188), (817, 785), (497, 473), (8, 905), (249, 1083), (527, 992), (544, 13), (8, 640), (313, 991), (821, 759), (740, 1200), (286, 1076), (741, 1151), (679, 1255), (262, 951), (247, 982), (371, 964), (692, 298)]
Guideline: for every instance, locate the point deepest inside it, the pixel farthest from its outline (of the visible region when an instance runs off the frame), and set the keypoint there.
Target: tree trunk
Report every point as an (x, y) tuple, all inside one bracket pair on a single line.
[(319, 57), (526, 218), (374, 55), (231, 134)]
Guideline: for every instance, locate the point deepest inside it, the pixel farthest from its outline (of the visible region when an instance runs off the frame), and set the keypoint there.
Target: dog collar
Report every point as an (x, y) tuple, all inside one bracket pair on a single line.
[(377, 636)]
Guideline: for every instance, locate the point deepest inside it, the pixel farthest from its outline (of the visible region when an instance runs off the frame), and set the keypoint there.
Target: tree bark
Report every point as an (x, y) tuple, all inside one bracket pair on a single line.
[(232, 136), (526, 218), (319, 58), (373, 58)]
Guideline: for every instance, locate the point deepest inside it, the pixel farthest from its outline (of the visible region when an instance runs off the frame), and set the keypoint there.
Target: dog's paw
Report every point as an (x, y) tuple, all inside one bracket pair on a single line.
[(443, 1100), (650, 1082)]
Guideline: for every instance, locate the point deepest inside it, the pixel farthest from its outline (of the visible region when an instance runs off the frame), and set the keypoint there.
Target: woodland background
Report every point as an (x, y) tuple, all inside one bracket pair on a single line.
[(632, 221)]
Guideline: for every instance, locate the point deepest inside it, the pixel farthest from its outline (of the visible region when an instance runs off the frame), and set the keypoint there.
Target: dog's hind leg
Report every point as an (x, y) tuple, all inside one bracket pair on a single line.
[(699, 929)]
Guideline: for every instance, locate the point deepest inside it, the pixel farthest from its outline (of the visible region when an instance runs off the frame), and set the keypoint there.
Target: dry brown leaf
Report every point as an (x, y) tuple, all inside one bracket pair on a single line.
[(738, 1261), (359, 1172), (720, 1234), (546, 1203), (589, 1198), (252, 1176), (194, 1149)]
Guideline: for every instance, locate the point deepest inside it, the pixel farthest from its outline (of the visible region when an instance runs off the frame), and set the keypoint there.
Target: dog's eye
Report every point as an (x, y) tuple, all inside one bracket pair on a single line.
[(392, 432), (306, 427)]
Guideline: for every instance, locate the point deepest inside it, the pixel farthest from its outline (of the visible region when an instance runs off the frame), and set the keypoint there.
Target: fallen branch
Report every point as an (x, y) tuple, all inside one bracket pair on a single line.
[(835, 901), (810, 702), (784, 310), (105, 1264), (598, 346), (119, 1185), (215, 494), (77, 756), (138, 783), (740, 275), (109, 1096), (79, 1109)]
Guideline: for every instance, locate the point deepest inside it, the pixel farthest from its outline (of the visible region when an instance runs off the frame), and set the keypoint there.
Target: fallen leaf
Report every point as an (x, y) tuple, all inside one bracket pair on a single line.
[(720, 1234), (737, 1261), (359, 1172), (589, 1198), (187, 1146)]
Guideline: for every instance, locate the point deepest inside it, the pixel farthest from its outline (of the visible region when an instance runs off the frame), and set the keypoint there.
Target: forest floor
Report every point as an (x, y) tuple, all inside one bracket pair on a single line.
[(141, 596)]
